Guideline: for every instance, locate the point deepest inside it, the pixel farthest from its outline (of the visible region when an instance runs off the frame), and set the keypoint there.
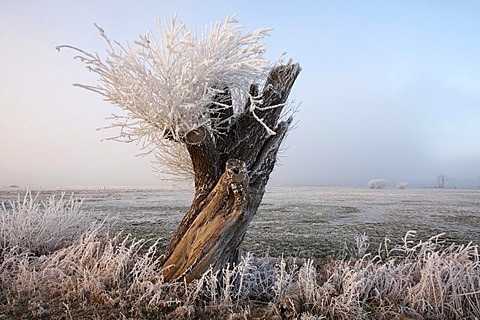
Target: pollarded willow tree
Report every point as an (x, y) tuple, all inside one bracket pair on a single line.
[(210, 108)]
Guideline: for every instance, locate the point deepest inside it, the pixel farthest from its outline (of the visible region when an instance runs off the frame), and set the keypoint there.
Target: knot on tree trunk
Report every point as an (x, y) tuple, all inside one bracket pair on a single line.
[(236, 170), (195, 136), (236, 173)]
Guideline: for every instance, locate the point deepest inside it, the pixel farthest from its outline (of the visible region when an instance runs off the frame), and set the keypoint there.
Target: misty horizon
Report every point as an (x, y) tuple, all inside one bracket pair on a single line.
[(388, 91)]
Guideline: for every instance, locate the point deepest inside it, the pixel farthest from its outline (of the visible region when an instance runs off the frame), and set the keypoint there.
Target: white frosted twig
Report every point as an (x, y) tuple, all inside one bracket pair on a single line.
[(253, 106)]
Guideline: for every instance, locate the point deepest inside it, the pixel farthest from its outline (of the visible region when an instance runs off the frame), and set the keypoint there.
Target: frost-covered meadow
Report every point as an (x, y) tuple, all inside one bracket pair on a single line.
[(316, 253), (298, 221)]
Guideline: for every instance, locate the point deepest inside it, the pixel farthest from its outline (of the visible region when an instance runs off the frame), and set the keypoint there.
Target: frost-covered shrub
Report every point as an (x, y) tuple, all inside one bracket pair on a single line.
[(117, 276), (376, 184), (42, 226), (101, 276), (98, 269), (402, 185), (424, 280)]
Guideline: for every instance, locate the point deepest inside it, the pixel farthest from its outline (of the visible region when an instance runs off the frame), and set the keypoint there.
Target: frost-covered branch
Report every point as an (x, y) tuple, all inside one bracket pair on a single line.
[(167, 86)]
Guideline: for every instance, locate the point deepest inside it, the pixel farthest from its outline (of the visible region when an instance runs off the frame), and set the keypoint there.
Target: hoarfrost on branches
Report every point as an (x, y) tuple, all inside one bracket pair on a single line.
[(170, 86), (402, 185), (376, 184)]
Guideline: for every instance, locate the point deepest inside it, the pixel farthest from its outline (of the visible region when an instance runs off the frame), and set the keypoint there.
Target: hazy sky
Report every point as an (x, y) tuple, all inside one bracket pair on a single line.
[(389, 89)]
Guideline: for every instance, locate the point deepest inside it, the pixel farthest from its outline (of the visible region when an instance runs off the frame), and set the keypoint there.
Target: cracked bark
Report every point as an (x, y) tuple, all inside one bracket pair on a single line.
[(232, 168)]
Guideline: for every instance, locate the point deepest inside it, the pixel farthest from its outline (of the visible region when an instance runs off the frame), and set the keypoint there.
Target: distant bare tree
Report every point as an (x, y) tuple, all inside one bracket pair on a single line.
[(441, 181), (211, 108)]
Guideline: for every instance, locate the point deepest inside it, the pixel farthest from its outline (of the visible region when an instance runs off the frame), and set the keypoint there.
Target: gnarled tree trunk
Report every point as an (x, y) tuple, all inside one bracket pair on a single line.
[(231, 169)]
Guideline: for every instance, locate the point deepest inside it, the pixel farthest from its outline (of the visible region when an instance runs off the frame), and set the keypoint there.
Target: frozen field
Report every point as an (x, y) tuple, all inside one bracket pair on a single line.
[(300, 221)]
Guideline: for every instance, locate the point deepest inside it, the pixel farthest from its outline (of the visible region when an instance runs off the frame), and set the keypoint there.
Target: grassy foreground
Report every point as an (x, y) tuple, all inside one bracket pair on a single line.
[(56, 263)]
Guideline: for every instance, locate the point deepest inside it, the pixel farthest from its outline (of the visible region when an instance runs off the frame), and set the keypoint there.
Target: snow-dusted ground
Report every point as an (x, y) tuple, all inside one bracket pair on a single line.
[(305, 221), (312, 221)]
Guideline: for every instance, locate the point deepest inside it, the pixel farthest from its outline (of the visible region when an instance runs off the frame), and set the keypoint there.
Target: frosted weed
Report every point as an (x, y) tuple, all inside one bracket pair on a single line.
[(42, 226)]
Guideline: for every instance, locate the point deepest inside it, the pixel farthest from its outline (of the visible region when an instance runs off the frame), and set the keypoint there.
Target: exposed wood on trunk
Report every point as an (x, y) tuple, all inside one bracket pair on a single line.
[(231, 168), (206, 166), (211, 234)]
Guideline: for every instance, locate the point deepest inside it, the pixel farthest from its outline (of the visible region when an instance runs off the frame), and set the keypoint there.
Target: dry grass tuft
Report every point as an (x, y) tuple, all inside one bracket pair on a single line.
[(42, 226)]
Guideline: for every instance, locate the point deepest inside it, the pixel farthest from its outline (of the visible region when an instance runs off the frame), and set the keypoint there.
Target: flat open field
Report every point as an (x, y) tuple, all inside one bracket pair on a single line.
[(298, 221)]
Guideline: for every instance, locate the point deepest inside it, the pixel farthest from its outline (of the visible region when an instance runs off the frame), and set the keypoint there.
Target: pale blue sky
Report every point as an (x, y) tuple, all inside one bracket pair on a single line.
[(389, 89)]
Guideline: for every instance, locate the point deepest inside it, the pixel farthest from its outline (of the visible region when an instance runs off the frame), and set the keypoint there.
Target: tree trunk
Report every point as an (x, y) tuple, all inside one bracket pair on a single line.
[(232, 168)]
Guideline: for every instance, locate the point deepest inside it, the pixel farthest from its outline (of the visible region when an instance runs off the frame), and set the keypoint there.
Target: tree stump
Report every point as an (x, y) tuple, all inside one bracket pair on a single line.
[(231, 169)]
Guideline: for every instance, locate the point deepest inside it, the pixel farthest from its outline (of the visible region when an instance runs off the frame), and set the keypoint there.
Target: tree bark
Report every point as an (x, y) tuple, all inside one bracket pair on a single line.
[(232, 168)]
